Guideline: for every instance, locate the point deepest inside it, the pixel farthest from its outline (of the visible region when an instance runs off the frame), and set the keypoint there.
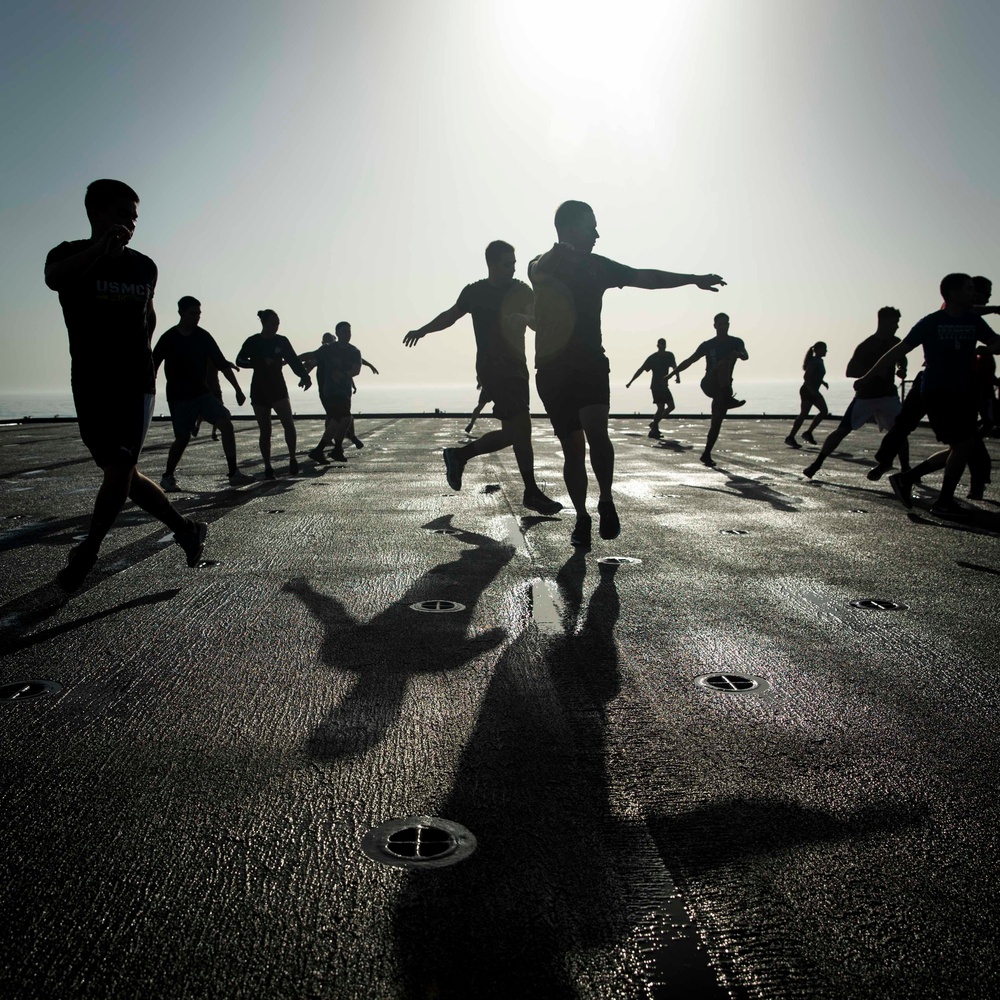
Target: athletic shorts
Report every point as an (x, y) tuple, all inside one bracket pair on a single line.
[(337, 405), (883, 410), (185, 413), (661, 393), (114, 427), (566, 391), (812, 397), (952, 416), (509, 393)]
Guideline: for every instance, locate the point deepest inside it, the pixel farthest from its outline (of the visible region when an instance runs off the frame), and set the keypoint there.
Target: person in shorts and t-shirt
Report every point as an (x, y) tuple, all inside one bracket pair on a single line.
[(721, 354), (949, 338), (500, 307), (572, 370), (106, 293), (658, 364), (336, 363), (188, 353), (877, 400)]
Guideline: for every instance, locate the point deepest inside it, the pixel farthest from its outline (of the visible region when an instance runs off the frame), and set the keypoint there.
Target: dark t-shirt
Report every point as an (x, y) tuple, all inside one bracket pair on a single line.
[(949, 344), (569, 292), (814, 373), (266, 355), (659, 364), (105, 309), (187, 360), (719, 349), (864, 357), (497, 312), (336, 365)]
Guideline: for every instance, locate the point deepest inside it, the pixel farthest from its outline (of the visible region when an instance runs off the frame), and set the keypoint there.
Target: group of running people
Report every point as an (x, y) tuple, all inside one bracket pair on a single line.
[(106, 291)]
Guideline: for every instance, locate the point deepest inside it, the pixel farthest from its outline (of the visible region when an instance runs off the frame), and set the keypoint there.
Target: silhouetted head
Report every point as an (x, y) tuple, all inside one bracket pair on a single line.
[(721, 324), (327, 338), (818, 350), (576, 225), (189, 309), (343, 331), (268, 322), (111, 203), (500, 260), (661, 344), (984, 289), (888, 320), (958, 290)]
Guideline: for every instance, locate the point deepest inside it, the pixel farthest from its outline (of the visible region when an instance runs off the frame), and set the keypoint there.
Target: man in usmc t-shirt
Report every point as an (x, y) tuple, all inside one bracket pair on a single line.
[(106, 293)]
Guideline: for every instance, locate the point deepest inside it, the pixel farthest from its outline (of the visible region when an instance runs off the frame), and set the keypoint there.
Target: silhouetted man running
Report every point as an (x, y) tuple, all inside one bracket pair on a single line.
[(501, 307), (336, 363), (721, 354), (572, 369), (949, 338), (188, 353), (877, 398), (106, 293), (659, 364)]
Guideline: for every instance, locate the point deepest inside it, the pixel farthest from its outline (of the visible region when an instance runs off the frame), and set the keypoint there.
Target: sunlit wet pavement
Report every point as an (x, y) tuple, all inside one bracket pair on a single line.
[(184, 818)]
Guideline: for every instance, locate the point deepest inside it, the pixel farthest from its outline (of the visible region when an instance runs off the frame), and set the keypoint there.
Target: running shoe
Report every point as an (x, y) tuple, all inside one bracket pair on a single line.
[(337, 453), (192, 541), (81, 561), (810, 470), (791, 442), (468, 427), (734, 403), (902, 486), (293, 466), (238, 478), (706, 459), (609, 524), (356, 441), (269, 472), (453, 467), (880, 469), (168, 484), (807, 436), (948, 508), (318, 457), (581, 532), (654, 432), (975, 493), (536, 500)]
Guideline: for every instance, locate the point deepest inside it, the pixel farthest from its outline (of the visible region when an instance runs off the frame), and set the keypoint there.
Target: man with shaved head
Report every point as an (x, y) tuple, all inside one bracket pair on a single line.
[(572, 369)]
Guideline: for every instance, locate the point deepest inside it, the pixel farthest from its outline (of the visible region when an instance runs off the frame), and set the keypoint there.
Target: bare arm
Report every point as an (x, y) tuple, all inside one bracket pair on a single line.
[(112, 242), (368, 364), (652, 279), (440, 322), (150, 317), (638, 372), (888, 360)]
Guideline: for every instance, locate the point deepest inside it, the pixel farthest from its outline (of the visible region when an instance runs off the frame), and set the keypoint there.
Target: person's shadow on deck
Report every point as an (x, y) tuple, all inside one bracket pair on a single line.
[(386, 651), (532, 784)]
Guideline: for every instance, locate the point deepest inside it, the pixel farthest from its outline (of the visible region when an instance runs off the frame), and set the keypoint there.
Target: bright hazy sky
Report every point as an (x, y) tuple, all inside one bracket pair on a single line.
[(351, 160)]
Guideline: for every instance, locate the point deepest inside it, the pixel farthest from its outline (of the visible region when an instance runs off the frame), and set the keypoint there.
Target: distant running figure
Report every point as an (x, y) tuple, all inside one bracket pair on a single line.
[(659, 364), (336, 363), (106, 293), (501, 307), (265, 353), (187, 353), (809, 394), (572, 369), (877, 399), (949, 338), (721, 354)]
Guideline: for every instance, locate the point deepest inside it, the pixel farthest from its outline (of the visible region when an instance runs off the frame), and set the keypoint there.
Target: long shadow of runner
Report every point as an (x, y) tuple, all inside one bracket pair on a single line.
[(752, 489), (533, 787), (385, 652)]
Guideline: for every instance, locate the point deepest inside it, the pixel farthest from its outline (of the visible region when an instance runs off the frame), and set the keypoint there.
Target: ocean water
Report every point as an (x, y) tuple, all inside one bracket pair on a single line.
[(766, 397)]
